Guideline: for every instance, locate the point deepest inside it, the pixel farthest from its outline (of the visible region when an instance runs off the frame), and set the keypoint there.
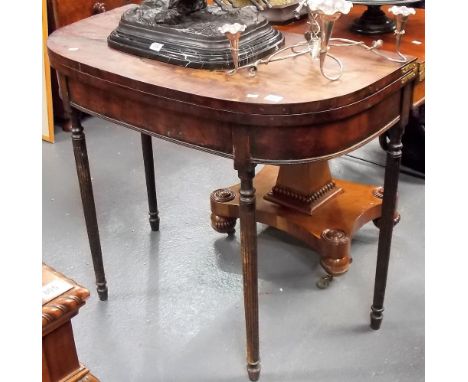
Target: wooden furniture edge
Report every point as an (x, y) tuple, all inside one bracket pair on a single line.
[(64, 306)]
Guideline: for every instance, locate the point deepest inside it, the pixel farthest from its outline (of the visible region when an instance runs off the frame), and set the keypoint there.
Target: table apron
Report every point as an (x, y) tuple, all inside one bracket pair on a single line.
[(192, 126)]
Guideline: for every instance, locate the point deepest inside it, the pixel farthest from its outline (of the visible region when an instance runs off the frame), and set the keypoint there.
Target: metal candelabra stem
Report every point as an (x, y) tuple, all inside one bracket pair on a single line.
[(318, 38)]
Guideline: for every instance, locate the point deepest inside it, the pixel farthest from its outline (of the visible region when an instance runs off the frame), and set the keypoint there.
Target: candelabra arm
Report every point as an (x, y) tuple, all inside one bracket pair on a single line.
[(340, 67), (322, 17)]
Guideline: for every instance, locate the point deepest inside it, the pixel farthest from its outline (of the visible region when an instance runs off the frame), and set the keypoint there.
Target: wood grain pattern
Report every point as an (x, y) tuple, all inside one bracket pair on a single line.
[(413, 42), (200, 108), (304, 187), (348, 212), (75, 47), (65, 12), (246, 172)]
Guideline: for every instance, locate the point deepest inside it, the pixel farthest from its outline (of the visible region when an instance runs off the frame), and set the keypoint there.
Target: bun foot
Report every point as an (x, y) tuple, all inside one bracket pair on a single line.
[(223, 224), (376, 316), (253, 369), (102, 292), (336, 246)]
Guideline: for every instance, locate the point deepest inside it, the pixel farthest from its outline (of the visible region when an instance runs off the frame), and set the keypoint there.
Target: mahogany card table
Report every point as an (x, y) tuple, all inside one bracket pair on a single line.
[(288, 116)]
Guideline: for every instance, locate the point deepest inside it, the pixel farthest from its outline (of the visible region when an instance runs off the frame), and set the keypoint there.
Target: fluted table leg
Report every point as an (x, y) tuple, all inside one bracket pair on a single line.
[(148, 160), (87, 198), (248, 231), (386, 223)]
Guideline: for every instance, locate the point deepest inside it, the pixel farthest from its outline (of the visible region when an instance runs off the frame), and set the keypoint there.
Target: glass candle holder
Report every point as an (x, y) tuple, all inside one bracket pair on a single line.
[(325, 13), (233, 33)]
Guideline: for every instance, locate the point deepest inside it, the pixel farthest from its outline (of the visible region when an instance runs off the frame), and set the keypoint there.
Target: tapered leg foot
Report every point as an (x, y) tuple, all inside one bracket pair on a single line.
[(154, 221), (376, 316), (253, 369), (102, 292), (148, 160)]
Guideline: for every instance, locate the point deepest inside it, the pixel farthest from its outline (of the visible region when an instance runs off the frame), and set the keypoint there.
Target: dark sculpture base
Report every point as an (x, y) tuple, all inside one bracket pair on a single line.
[(373, 21), (193, 40)]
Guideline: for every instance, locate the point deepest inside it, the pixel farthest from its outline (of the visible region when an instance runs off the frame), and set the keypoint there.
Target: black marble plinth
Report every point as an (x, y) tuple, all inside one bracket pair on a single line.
[(193, 40), (373, 21)]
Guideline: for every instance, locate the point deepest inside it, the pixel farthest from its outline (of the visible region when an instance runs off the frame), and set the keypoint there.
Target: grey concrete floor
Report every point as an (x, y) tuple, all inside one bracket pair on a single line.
[(175, 308)]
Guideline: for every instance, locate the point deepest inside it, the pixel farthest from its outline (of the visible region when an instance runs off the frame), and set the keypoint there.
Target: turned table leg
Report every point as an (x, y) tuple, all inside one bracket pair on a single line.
[(148, 160), (87, 198), (248, 232), (248, 227), (387, 221)]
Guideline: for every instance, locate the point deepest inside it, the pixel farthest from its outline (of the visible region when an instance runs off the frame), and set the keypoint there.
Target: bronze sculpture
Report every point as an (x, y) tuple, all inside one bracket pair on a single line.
[(168, 11)]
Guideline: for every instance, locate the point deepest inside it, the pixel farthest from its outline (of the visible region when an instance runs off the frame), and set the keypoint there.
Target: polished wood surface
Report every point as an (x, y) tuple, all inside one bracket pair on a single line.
[(59, 358), (304, 187), (412, 44), (201, 108), (348, 211), (65, 12), (287, 114), (75, 47)]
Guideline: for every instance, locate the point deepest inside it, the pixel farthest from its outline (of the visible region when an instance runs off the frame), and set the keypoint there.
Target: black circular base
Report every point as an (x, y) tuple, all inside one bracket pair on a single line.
[(373, 21), (194, 41)]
